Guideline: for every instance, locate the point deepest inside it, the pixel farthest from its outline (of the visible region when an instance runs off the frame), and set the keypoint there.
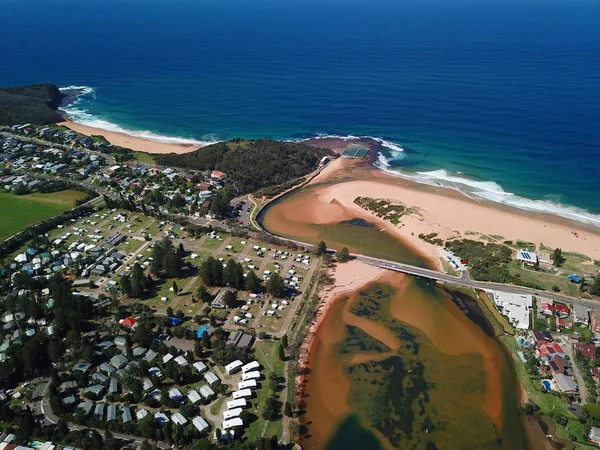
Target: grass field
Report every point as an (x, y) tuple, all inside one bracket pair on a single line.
[(144, 158), (21, 211)]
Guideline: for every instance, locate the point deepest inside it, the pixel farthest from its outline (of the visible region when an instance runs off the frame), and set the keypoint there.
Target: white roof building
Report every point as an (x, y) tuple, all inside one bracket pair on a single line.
[(254, 375), (254, 365), (141, 413), (516, 307), (178, 419), (231, 413), (210, 377), (233, 367), (168, 357), (181, 360), (527, 257), (194, 396), (244, 393), (206, 392), (248, 384), (200, 423), (239, 403), (161, 417), (232, 423), (200, 367)]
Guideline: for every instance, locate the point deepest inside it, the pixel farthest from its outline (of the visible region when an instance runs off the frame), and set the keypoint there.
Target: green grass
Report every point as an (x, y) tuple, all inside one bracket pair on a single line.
[(21, 211), (267, 356), (143, 157), (545, 280), (214, 244)]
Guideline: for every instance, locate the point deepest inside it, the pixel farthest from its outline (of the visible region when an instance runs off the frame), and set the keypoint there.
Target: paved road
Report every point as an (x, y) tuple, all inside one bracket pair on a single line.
[(465, 280), (568, 347)]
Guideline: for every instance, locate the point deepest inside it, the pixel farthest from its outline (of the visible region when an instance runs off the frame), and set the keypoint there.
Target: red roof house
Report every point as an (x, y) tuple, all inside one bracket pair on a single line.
[(587, 350), (129, 322), (562, 311), (218, 174)]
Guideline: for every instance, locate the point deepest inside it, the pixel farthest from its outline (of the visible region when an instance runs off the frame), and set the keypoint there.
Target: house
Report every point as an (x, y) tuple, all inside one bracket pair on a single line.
[(581, 315), (99, 377), (561, 310), (111, 413), (194, 396), (141, 413), (106, 368), (113, 387), (541, 337), (120, 341), (211, 378), (587, 350), (595, 435), (240, 339), (119, 361), (129, 322), (139, 352), (147, 384), (161, 418), (207, 392), (181, 361), (546, 352), (217, 175), (565, 383), (178, 419), (594, 321), (96, 390), (175, 394), (82, 367), (200, 367), (527, 257), (219, 301), (559, 365), (99, 411), (126, 417), (200, 423), (517, 307)]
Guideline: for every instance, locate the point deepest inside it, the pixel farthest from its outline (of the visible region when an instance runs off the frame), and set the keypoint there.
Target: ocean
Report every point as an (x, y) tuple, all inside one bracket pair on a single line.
[(499, 99)]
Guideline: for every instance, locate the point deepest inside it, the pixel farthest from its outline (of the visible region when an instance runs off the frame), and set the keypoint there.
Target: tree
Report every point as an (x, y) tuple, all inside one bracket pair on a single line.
[(343, 255), (125, 285), (284, 341), (321, 248), (582, 285), (281, 352), (275, 286), (287, 409), (138, 281), (230, 298), (252, 283), (172, 264), (157, 260), (175, 288), (558, 258), (595, 288), (203, 294)]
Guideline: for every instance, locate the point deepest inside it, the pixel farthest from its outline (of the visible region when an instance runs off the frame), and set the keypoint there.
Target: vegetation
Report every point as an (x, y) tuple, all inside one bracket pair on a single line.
[(382, 208), (343, 255), (251, 165), (432, 238), (20, 211), (35, 104), (558, 257), (487, 262)]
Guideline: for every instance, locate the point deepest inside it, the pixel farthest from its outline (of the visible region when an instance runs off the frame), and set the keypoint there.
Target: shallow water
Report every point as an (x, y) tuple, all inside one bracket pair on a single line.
[(400, 364)]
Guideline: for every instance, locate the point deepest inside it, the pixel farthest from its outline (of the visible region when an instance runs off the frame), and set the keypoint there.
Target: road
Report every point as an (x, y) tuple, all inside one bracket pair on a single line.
[(465, 280), (42, 407), (568, 347)]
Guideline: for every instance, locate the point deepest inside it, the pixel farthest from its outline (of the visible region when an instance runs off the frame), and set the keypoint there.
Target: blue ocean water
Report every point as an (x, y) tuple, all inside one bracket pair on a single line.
[(497, 98)]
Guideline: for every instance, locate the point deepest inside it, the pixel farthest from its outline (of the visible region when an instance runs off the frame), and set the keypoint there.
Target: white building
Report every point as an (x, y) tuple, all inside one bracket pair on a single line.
[(244, 393), (231, 413), (254, 365), (254, 375), (517, 307), (200, 423), (233, 367), (232, 423), (239, 403)]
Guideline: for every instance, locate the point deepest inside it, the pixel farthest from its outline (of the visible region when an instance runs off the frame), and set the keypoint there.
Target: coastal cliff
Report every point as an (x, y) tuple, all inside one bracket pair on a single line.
[(35, 104)]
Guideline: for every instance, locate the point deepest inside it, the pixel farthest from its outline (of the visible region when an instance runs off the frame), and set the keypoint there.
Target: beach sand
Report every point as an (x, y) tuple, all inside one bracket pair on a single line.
[(442, 211), (131, 142)]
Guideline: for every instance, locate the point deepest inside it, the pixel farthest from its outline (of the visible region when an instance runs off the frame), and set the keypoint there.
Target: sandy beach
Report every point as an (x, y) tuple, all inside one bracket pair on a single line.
[(441, 211), (132, 142)]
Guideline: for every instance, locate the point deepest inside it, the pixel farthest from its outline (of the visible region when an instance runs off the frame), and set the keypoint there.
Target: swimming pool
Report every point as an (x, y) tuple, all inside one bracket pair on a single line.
[(547, 385)]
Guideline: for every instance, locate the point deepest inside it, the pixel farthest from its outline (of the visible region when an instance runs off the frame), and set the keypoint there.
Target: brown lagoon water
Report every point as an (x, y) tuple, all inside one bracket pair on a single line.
[(301, 216), (399, 365)]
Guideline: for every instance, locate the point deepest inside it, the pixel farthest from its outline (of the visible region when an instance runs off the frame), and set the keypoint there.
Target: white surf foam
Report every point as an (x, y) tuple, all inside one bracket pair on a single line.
[(492, 191), (84, 117)]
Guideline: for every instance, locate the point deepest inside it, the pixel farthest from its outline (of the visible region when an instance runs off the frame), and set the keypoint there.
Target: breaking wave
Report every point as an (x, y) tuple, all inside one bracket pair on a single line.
[(81, 115)]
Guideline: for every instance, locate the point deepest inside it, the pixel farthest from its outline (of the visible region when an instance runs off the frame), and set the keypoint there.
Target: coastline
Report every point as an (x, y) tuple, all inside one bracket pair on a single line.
[(446, 212), (132, 142)]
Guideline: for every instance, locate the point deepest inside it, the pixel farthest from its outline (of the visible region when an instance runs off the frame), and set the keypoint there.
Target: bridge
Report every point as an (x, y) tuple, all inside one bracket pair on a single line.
[(466, 281)]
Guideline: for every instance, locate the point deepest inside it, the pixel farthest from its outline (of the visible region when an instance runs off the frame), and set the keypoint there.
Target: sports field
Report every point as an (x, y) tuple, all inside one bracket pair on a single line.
[(19, 211)]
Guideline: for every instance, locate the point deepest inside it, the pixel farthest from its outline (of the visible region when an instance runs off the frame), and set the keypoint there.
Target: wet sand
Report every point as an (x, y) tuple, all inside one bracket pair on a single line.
[(132, 142)]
